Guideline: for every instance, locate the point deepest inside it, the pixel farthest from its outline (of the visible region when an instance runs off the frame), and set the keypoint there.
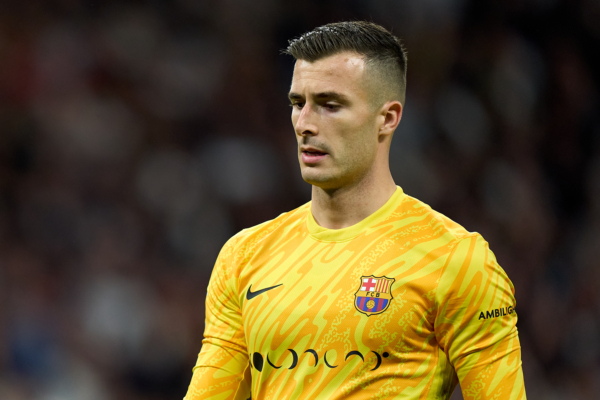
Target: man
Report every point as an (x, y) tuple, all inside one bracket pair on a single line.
[(364, 292)]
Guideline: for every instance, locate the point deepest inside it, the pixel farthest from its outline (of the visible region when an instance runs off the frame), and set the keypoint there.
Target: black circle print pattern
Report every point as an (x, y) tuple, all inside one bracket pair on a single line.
[(258, 361)]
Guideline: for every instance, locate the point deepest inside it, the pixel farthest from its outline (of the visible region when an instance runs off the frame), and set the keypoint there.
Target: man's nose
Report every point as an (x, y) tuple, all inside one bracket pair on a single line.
[(306, 124)]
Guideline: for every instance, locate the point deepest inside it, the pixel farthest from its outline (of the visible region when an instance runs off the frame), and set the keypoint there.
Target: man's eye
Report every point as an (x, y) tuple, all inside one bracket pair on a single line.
[(330, 106), (298, 105)]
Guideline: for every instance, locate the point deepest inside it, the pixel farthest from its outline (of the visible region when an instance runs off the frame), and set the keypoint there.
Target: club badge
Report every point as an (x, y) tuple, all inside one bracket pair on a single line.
[(374, 294)]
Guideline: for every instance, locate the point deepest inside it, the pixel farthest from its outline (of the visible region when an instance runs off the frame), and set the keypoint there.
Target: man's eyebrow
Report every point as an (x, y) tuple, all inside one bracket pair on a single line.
[(332, 95), (322, 95)]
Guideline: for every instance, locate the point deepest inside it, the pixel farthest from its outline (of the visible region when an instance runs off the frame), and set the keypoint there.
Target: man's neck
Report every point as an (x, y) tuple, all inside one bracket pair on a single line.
[(346, 206)]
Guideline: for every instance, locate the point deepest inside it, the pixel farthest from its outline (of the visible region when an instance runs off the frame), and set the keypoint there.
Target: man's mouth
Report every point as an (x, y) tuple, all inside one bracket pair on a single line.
[(314, 153), (312, 156)]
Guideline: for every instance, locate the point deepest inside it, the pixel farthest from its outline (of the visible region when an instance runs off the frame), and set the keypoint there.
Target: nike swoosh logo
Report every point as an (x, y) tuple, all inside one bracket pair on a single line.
[(250, 294)]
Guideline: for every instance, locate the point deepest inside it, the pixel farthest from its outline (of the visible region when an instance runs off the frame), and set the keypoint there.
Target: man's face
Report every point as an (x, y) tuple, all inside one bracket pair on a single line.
[(335, 123)]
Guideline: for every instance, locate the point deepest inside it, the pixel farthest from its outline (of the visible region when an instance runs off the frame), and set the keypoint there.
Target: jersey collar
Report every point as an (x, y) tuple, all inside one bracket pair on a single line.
[(349, 233)]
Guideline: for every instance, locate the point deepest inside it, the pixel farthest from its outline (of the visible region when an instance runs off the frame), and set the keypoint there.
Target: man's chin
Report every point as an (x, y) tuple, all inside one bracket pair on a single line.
[(320, 179)]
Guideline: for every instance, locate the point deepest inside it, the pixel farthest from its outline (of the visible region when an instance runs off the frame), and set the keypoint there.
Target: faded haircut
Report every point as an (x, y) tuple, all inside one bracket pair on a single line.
[(383, 52)]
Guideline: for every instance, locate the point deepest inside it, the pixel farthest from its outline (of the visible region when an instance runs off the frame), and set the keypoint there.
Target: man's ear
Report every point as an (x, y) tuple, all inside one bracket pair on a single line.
[(392, 113)]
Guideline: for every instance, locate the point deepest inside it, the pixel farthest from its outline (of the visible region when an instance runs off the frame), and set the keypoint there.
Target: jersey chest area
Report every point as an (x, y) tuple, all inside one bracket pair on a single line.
[(334, 306)]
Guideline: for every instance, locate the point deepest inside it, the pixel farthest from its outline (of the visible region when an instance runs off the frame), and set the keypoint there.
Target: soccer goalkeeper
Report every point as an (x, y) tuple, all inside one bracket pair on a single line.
[(365, 292)]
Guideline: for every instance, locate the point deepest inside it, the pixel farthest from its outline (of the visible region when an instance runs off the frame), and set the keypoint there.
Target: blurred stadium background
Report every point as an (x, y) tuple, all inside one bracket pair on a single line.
[(137, 137)]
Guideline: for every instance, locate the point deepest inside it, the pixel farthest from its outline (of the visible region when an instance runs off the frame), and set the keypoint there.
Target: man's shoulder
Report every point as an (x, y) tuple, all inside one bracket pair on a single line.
[(468, 257), (443, 223), (252, 235)]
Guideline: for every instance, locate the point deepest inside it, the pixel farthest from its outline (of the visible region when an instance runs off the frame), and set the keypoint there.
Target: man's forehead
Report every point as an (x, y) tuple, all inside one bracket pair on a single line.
[(331, 64), (337, 71)]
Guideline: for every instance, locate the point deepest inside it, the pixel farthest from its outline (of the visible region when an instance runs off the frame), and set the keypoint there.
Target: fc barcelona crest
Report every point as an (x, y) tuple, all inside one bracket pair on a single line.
[(374, 294)]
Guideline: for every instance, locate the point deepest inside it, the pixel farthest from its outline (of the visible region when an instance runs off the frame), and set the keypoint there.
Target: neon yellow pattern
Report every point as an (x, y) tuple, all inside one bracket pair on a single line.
[(327, 332)]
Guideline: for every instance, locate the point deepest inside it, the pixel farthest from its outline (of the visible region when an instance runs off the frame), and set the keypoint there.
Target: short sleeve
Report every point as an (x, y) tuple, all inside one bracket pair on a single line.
[(221, 371), (476, 322)]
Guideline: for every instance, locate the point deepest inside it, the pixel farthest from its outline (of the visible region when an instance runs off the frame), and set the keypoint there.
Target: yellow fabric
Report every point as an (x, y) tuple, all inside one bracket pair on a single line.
[(449, 314)]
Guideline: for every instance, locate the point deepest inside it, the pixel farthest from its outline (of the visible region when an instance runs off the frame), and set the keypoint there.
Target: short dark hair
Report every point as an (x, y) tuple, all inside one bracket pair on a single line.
[(380, 48)]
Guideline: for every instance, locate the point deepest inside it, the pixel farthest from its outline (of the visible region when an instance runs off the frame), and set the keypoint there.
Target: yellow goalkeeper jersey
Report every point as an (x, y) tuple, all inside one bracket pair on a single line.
[(403, 305)]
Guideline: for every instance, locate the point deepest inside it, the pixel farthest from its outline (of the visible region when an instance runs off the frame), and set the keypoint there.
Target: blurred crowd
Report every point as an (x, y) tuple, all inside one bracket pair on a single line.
[(136, 137)]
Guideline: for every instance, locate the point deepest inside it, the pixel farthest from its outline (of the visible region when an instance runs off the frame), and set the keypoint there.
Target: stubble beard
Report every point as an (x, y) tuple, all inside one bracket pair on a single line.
[(347, 169), (336, 176), (322, 179)]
